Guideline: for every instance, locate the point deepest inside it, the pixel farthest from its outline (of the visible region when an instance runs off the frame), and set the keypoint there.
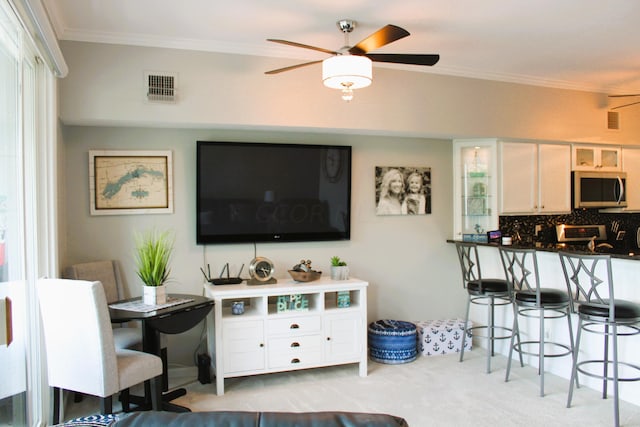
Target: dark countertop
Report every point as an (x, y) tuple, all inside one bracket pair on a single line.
[(580, 248)]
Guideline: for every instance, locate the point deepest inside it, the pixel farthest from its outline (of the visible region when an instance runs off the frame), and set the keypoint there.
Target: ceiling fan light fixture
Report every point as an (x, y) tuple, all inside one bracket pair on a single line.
[(347, 71), (347, 93)]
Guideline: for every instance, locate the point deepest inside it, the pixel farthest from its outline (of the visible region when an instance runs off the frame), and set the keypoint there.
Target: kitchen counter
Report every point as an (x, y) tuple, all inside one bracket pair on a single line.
[(567, 247)]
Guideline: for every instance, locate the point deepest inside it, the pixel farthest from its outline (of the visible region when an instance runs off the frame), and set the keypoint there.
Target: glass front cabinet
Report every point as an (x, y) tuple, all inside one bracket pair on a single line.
[(475, 187)]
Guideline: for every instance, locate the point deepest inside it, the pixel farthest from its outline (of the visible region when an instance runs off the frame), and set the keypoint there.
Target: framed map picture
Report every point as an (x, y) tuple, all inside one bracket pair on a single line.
[(130, 182)]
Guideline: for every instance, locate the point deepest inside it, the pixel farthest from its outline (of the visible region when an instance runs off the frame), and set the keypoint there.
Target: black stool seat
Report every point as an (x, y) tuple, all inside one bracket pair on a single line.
[(624, 310), (548, 296), (484, 286)]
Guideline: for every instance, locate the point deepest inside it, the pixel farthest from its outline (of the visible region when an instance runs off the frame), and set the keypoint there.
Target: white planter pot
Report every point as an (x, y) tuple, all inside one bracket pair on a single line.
[(339, 273), (154, 295)]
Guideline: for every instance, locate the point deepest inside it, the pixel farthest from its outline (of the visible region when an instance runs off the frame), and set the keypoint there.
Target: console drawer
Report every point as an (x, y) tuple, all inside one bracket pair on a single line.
[(295, 344), (294, 325), (295, 351)]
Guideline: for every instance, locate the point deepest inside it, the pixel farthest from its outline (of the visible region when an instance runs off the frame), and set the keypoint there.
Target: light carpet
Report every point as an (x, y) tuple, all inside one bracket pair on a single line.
[(432, 391)]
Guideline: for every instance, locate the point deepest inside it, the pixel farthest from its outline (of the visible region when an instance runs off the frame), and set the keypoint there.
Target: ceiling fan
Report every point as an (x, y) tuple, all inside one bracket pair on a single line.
[(625, 96), (350, 67)]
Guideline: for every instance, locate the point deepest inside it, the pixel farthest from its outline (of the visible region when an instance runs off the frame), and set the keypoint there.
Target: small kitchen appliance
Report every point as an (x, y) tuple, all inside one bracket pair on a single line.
[(580, 233), (598, 189)]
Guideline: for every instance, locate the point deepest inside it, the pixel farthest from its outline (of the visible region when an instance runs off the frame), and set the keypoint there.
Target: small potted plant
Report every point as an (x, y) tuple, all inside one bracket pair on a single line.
[(339, 269), (153, 252)]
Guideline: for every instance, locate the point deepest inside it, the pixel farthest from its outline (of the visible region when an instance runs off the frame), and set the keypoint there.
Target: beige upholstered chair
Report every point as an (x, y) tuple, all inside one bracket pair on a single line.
[(107, 273), (80, 352)]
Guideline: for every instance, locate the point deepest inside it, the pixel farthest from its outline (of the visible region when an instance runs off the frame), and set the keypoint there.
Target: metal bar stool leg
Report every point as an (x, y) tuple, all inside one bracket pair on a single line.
[(606, 364), (464, 331), (541, 352), (616, 405), (572, 342), (512, 343), (574, 368), (490, 335)]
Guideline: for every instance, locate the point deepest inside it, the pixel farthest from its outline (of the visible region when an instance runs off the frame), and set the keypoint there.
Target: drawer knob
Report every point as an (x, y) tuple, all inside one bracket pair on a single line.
[(295, 360), (295, 344), (261, 344), (328, 338), (294, 326)]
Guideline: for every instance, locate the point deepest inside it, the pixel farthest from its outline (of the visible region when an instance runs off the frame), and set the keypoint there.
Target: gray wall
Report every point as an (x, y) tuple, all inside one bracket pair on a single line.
[(405, 118), (411, 270)]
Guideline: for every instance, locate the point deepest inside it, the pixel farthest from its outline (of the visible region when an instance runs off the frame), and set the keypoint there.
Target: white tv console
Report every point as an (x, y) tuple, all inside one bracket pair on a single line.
[(263, 340)]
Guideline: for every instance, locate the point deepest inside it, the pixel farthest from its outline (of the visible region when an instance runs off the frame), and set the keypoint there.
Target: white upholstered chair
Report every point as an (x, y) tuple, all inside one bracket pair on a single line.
[(80, 352)]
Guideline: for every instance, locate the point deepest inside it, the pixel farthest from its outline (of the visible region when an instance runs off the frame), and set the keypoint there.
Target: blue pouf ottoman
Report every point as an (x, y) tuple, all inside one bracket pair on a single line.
[(392, 341)]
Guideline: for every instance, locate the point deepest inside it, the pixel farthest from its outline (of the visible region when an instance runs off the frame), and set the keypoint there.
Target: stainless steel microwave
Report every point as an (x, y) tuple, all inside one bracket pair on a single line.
[(599, 189)]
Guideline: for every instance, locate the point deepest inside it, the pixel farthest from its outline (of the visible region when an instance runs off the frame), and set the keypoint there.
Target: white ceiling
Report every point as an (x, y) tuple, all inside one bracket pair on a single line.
[(591, 45)]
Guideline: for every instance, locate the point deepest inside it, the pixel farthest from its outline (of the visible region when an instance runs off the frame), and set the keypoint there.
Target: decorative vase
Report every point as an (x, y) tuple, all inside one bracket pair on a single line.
[(339, 272), (154, 295)]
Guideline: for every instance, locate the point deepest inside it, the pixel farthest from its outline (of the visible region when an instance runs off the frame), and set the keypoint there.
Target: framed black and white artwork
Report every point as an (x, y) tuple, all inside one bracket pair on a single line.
[(403, 190)]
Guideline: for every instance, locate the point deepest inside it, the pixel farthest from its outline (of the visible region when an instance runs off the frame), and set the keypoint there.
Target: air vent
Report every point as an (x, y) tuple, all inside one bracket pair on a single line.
[(161, 87), (613, 120)]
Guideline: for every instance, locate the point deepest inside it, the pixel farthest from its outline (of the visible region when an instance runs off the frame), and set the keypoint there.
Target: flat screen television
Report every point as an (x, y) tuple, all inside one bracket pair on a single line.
[(268, 192)]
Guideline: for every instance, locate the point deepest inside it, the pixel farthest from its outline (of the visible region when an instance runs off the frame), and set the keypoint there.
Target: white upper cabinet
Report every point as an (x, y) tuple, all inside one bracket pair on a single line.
[(554, 177), (534, 178), (631, 164), (600, 158)]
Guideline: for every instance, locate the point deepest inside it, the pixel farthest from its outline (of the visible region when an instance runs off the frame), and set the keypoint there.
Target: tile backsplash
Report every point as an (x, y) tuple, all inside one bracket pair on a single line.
[(525, 226)]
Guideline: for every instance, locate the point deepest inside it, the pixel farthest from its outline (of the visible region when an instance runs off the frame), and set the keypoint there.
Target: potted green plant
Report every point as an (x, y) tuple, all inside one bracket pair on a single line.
[(153, 253), (339, 269)]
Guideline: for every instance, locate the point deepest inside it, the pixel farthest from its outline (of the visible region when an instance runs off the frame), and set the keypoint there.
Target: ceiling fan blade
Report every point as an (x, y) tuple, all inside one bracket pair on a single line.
[(399, 58), (383, 36), (624, 96), (291, 67), (625, 105), (305, 46)]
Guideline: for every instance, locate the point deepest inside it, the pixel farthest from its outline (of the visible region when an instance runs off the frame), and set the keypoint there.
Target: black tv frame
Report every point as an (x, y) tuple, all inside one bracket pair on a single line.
[(344, 184)]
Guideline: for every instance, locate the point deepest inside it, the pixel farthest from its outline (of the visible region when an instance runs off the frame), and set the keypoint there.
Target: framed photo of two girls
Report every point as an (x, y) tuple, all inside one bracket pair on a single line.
[(402, 190)]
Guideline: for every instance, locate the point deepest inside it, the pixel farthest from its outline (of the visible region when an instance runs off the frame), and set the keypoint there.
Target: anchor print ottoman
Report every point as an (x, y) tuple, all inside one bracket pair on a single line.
[(442, 336)]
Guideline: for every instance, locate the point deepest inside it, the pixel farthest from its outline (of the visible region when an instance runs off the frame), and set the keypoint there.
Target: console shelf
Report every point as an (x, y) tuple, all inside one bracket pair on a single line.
[(287, 326)]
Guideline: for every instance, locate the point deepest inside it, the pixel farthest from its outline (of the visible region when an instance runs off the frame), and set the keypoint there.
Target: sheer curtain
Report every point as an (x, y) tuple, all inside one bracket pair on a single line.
[(12, 278), (27, 215)]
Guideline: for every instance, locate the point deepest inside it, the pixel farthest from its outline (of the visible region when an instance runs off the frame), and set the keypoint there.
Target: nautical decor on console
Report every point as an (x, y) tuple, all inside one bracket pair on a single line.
[(295, 302)]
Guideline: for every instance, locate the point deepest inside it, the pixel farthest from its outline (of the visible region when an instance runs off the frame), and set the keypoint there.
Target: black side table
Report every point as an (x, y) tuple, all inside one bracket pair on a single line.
[(171, 320)]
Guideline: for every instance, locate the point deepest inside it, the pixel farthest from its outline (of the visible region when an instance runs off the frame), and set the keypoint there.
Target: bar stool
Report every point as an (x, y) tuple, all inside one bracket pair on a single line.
[(488, 292), (590, 283), (532, 301)]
